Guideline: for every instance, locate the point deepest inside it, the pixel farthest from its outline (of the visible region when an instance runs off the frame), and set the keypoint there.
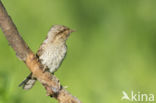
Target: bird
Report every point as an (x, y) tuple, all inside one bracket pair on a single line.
[(51, 52)]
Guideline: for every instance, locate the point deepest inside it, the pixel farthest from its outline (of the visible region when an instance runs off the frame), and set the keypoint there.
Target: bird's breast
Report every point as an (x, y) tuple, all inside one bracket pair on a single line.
[(52, 57)]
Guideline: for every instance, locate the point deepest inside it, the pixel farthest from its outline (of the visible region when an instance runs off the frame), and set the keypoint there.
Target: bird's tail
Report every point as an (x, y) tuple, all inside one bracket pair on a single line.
[(28, 82)]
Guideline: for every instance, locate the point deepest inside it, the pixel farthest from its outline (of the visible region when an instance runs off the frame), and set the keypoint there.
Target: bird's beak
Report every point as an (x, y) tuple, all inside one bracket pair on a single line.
[(71, 30)]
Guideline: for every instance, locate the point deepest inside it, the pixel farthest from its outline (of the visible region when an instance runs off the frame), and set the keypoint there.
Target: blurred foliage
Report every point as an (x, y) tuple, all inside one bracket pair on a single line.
[(112, 50)]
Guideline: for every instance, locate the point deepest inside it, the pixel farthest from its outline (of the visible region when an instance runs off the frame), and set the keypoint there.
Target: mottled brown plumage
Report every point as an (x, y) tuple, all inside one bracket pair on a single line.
[(51, 52)]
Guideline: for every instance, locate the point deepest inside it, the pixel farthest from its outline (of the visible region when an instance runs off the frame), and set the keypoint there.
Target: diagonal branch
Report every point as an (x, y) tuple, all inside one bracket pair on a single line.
[(23, 52)]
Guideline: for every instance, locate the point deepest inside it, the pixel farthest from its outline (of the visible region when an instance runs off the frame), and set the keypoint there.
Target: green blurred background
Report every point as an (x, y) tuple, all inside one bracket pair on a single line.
[(112, 50)]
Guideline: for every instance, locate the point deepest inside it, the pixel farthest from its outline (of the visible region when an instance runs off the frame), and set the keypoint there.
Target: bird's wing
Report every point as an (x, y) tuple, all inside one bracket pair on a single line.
[(39, 52), (41, 49)]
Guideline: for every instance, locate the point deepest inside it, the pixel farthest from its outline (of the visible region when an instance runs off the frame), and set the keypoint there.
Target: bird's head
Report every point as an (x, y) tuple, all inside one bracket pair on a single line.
[(59, 33)]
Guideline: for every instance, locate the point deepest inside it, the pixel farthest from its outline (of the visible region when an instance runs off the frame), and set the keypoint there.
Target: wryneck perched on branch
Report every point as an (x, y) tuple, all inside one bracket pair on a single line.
[(51, 52)]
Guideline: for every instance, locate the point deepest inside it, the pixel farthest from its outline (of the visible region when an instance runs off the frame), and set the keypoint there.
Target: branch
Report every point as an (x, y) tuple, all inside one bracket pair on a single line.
[(24, 53)]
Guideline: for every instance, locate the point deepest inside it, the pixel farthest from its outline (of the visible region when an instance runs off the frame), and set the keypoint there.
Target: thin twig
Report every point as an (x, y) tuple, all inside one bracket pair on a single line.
[(24, 53)]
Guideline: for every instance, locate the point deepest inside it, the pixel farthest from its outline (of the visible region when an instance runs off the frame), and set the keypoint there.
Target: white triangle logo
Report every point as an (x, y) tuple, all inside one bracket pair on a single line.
[(125, 96)]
